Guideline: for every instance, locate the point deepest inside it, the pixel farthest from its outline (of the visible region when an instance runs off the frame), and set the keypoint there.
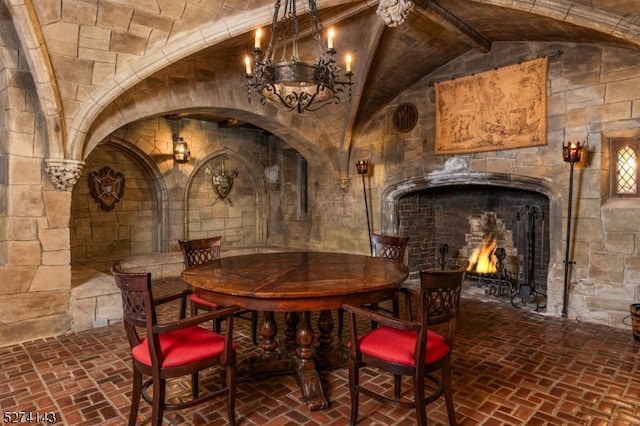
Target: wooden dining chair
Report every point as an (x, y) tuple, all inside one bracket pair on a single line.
[(165, 350), (387, 247), (409, 348), (203, 252)]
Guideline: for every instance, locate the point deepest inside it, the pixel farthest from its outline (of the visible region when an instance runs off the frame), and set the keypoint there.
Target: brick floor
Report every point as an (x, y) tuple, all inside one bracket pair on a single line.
[(511, 367)]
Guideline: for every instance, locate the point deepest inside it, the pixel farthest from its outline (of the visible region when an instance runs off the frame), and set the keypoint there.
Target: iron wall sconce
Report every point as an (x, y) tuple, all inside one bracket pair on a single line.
[(181, 153)]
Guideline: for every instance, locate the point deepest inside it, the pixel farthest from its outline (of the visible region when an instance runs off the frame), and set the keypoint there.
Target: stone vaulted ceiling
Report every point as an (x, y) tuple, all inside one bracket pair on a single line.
[(100, 64)]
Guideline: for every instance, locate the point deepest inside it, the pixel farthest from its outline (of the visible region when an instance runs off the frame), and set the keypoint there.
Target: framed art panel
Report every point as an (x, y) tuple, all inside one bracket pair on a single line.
[(500, 109)]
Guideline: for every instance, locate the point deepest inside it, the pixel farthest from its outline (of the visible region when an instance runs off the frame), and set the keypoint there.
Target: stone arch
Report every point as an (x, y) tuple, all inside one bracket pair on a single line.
[(309, 137), (41, 69), (176, 50), (392, 194)]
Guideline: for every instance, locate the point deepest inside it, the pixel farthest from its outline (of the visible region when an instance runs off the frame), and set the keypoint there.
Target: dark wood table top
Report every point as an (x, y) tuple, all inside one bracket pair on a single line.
[(296, 281)]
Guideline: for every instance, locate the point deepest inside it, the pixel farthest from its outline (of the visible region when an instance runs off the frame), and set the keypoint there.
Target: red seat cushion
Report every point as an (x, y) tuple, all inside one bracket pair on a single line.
[(195, 299), (391, 344), (183, 346)]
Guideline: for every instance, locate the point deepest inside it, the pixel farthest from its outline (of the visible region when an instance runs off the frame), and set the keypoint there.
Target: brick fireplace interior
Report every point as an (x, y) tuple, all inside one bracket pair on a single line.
[(465, 216)]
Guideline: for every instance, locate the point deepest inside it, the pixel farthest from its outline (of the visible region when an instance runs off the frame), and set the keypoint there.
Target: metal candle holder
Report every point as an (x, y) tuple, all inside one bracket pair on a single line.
[(571, 153)]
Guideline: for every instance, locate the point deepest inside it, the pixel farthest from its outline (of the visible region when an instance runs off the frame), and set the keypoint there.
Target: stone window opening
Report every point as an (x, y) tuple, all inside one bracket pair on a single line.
[(624, 180)]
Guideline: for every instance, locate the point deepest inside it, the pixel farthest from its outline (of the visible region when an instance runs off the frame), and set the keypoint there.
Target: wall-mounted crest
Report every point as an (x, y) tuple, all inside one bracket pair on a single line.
[(106, 187), (222, 182)]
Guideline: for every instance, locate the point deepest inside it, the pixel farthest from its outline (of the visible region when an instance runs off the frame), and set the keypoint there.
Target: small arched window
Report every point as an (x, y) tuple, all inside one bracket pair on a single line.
[(624, 158)]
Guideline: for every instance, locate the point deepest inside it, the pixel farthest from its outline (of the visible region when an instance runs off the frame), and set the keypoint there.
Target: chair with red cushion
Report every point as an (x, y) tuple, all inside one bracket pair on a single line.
[(172, 349), (409, 348), (387, 247), (203, 252)]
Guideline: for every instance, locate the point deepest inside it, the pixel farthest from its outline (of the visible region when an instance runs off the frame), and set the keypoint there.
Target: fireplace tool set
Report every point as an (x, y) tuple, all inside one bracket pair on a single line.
[(528, 291)]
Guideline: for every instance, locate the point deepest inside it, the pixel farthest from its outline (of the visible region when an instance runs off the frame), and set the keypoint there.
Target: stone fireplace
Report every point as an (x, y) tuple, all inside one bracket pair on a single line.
[(472, 222), (463, 210)]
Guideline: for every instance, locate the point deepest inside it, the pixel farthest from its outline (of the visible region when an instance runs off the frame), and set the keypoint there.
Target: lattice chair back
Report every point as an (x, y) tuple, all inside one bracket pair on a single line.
[(440, 297), (200, 252), (389, 247), (137, 305)]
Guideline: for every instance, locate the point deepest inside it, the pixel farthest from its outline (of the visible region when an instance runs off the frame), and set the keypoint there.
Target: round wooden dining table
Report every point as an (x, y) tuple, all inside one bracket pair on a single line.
[(297, 283)]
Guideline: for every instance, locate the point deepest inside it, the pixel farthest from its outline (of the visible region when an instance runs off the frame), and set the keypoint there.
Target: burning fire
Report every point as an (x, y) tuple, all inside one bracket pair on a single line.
[(482, 259)]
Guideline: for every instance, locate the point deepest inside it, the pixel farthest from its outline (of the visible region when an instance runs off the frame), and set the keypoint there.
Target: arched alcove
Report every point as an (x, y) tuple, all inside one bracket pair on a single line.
[(238, 215), (135, 223)]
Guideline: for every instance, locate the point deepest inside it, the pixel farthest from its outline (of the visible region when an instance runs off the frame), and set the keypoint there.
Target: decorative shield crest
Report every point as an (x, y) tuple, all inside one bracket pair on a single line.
[(222, 183), (106, 187)]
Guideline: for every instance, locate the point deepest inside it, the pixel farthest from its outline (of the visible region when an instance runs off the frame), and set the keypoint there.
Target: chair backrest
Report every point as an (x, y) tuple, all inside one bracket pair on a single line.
[(389, 247), (440, 297), (200, 252), (138, 310)]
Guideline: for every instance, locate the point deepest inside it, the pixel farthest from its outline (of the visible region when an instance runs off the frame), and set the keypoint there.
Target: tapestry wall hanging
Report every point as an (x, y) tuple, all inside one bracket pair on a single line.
[(106, 187), (500, 109)]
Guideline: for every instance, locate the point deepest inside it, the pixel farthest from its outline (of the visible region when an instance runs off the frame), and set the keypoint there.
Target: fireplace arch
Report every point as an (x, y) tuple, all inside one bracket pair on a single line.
[(390, 213)]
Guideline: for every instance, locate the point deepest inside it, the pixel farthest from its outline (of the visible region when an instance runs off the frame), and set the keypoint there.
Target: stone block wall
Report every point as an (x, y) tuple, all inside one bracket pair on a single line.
[(95, 300), (585, 102), (209, 214)]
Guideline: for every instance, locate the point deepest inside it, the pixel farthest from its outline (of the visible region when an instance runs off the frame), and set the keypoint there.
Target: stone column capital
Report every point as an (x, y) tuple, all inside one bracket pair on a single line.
[(344, 184), (64, 173)]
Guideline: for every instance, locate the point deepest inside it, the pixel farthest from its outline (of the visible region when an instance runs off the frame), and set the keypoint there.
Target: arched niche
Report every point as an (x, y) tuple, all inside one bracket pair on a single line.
[(238, 216), (137, 223)]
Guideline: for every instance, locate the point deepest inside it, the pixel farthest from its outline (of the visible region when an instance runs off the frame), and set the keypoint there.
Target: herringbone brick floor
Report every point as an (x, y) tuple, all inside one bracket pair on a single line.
[(511, 367)]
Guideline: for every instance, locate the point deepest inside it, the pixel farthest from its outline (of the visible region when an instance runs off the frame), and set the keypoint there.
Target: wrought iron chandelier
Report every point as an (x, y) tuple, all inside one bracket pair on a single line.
[(292, 84)]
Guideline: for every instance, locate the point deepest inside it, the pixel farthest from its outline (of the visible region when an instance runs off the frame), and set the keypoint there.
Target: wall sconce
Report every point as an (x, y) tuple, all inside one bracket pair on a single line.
[(181, 151), (362, 166), (571, 153)]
